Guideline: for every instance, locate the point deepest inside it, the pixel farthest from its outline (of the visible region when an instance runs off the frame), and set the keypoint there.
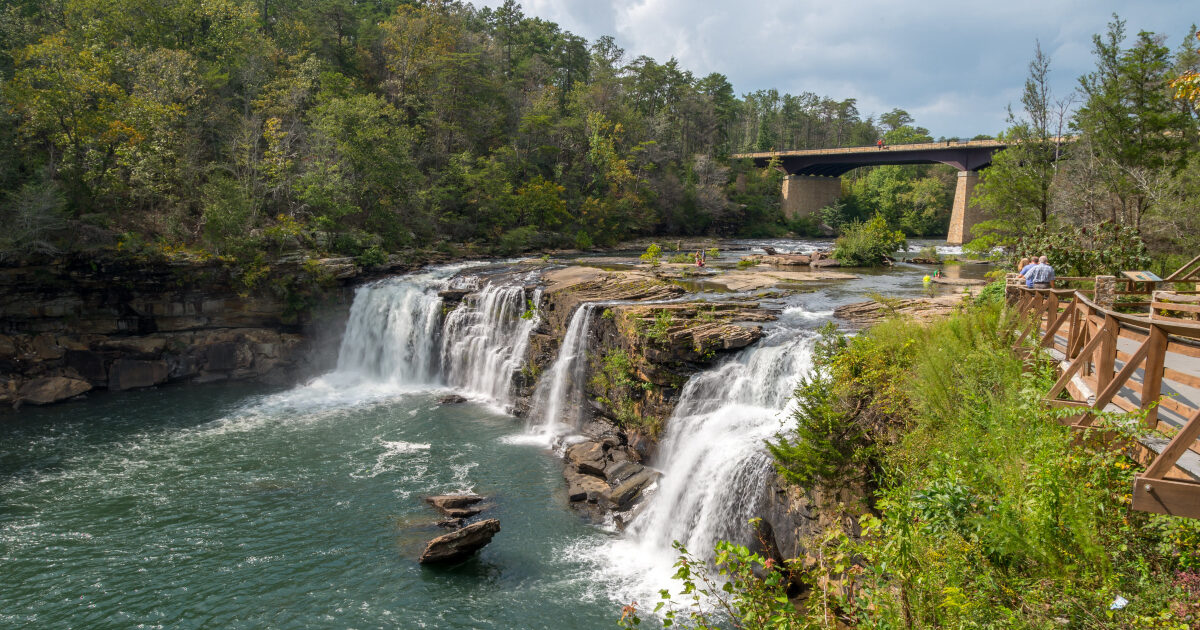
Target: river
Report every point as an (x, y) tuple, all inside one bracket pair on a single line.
[(244, 506)]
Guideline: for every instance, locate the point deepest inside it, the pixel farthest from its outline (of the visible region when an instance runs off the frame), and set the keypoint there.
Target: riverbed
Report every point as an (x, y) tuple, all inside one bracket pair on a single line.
[(244, 506)]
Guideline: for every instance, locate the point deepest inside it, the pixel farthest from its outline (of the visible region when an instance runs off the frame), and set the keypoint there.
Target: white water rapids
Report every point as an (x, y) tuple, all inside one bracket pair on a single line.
[(713, 461), (397, 335)]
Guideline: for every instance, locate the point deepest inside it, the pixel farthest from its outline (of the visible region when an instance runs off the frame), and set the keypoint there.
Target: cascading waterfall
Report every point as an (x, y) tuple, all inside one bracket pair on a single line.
[(558, 399), (713, 460), (485, 339), (392, 334), (397, 335)]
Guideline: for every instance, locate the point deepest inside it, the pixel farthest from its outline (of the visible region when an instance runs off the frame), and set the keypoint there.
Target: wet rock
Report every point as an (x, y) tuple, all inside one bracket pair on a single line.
[(770, 251), (451, 297), (581, 487), (825, 263), (45, 348), (453, 501), (133, 374), (451, 523), (452, 399), (618, 472), (464, 512), (919, 260), (43, 391), (460, 543), (587, 457), (90, 365), (624, 493)]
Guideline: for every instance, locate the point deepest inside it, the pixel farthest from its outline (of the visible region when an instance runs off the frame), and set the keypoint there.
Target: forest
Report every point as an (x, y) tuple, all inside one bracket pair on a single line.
[(243, 129), (246, 130)]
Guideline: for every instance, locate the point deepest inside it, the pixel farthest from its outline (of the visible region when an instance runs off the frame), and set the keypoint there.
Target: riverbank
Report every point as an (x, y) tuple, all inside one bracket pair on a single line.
[(977, 507)]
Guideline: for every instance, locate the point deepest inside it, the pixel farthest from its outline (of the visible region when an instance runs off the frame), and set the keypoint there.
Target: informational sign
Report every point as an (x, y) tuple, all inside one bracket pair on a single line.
[(1141, 276)]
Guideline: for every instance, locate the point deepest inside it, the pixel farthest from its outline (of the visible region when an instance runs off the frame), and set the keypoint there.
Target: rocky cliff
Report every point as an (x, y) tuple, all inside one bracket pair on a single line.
[(72, 326)]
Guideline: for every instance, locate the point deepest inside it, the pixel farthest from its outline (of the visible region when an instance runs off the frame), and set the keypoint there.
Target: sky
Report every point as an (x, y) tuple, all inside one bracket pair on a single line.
[(954, 66)]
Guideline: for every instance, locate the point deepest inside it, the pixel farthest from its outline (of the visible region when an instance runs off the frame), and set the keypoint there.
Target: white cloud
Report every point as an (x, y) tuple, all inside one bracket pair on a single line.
[(953, 65)]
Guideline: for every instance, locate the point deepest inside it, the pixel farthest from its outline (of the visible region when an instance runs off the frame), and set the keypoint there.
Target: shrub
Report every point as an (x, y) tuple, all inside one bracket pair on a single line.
[(517, 240), (582, 240), (652, 255), (868, 244), (682, 257), (372, 257), (1107, 249), (747, 263)]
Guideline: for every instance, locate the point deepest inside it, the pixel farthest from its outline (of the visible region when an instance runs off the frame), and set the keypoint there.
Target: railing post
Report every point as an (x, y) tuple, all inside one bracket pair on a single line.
[(1106, 364), (1105, 292), (1152, 374)]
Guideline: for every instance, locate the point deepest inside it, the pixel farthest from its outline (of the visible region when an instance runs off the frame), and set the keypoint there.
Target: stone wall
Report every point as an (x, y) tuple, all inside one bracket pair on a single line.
[(77, 325)]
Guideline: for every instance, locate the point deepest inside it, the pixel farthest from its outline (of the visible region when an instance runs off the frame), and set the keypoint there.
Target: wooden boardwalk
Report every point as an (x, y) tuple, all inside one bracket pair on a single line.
[(1119, 362)]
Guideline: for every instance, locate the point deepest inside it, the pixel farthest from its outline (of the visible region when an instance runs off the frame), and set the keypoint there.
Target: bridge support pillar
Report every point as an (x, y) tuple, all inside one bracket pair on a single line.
[(805, 194), (965, 212)]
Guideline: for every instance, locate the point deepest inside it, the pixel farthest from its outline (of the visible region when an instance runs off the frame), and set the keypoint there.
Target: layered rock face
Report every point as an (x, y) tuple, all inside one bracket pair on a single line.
[(74, 326), (641, 351)]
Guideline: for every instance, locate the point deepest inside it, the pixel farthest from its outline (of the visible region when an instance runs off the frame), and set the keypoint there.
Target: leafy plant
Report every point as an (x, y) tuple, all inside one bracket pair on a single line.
[(652, 255), (868, 244)]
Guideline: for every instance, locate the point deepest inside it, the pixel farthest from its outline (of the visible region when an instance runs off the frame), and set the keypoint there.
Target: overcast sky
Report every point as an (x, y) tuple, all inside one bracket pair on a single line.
[(953, 65)]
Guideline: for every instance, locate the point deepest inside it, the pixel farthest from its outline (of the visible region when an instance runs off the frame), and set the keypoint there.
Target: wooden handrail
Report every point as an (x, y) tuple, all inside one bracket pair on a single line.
[(1090, 353)]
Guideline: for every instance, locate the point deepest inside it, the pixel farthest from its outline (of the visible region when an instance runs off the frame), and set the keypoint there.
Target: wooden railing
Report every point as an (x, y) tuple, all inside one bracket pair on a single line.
[(1103, 353)]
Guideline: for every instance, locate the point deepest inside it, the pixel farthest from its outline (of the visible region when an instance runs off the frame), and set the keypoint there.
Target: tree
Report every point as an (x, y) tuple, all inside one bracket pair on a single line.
[(1016, 189), (1132, 125)]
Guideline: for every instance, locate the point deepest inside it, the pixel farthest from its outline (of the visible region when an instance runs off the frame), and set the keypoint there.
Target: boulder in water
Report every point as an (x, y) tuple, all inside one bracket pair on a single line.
[(825, 263), (450, 523), (43, 391), (446, 502), (460, 543), (587, 457), (452, 399)]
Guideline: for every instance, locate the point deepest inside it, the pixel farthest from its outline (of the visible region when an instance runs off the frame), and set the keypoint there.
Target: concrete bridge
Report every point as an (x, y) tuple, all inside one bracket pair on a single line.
[(814, 176)]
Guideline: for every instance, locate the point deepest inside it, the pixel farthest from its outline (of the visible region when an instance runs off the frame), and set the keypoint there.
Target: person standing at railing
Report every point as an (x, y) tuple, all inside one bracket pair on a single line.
[(1022, 265), (1041, 275)]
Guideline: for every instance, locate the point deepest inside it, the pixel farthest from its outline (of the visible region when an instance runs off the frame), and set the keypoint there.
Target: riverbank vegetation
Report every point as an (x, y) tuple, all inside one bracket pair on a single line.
[(985, 512)]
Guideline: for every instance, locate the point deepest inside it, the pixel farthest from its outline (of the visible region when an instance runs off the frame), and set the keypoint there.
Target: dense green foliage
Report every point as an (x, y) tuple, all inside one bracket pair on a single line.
[(235, 127), (987, 513), (868, 244)]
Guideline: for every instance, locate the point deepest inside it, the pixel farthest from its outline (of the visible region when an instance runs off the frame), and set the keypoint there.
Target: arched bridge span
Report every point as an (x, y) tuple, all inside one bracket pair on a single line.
[(813, 175)]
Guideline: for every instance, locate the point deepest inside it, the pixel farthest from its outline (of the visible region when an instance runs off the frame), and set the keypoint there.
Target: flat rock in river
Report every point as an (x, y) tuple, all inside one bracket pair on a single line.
[(445, 502), (460, 543), (587, 457)]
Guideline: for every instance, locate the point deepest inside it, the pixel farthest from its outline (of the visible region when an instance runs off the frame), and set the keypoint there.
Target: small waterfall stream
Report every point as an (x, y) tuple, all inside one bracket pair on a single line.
[(558, 399), (484, 341)]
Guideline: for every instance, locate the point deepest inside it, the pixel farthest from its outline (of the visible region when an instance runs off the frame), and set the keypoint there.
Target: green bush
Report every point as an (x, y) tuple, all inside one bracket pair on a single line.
[(682, 258), (1107, 249), (652, 255), (517, 240), (868, 244)]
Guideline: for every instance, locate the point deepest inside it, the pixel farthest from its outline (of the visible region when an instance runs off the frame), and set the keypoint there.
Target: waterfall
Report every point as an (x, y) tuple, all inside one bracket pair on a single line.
[(714, 464), (484, 341), (558, 399), (713, 461), (392, 334), (397, 334)]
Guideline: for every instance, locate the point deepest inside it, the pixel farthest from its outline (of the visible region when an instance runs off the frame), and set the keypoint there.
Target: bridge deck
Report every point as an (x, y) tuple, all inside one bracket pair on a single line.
[(849, 151)]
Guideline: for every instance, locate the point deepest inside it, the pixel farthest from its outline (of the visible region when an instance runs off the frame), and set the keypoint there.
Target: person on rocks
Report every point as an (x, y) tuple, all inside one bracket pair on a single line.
[(1041, 275)]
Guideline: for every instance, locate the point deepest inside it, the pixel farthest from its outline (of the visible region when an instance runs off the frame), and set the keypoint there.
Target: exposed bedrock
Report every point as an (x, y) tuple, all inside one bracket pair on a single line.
[(641, 351), (125, 324)]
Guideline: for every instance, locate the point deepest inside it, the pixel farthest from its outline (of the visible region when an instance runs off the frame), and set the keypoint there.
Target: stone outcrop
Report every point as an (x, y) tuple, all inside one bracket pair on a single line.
[(457, 506), (460, 543), (864, 314), (43, 391), (122, 323), (605, 474)]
